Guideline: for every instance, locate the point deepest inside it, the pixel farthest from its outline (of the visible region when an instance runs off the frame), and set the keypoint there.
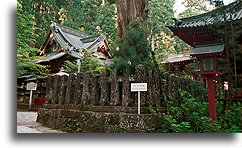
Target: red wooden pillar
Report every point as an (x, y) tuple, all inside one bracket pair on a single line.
[(211, 98)]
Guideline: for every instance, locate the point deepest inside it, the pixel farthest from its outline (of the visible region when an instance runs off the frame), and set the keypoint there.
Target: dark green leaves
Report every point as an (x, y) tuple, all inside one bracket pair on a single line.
[(133, 48)]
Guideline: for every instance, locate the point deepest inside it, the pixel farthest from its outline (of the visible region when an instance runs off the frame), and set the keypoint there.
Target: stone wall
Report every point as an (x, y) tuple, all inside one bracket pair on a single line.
[(92, 102), (112, 88), (79, 121)]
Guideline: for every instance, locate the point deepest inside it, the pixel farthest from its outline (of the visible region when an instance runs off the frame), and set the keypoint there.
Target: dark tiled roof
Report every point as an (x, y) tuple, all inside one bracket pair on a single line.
[(231, 12), (72, 43), (53, 55), (73, 54), (69, 38), (207, 48), (178, 58)]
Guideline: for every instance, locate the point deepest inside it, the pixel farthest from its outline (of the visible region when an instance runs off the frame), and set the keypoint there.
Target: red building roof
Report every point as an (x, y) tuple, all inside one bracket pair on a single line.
[(203, 28)]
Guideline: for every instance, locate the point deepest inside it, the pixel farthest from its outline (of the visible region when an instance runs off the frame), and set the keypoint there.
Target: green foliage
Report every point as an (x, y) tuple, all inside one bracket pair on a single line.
[(154, 109), (87, 64), (70, 66), (171, 126), (25, 37), (151, 110), (230, 120), (43, 12), (192, 116), (74, 125), (159, 16), (160, 37), (188, 116), (91, 17), (195, 7), (133, 48)]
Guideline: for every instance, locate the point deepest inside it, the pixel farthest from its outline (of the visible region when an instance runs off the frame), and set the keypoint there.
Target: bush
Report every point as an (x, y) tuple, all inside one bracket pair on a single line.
[(133, 48), (229, 120), (192, 116)]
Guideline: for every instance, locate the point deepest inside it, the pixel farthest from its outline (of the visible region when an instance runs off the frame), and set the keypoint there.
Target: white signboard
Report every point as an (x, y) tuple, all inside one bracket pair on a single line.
[(138, 86), (31, 86)]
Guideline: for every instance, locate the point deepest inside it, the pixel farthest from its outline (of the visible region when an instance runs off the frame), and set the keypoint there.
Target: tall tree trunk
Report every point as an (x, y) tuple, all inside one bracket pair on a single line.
[(130, 10)]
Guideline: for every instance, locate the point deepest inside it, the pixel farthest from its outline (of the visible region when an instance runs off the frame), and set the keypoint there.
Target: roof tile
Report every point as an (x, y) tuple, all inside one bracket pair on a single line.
[(230, 12), (208, 48)]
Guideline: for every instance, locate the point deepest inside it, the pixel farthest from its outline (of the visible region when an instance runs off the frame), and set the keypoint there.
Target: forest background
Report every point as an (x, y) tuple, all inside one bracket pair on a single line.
[(94, 17)]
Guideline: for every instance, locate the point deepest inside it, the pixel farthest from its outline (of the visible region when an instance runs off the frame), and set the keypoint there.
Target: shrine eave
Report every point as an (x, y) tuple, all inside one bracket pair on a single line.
[(208, 48), (178, 60), (228, 13), (53, 56)]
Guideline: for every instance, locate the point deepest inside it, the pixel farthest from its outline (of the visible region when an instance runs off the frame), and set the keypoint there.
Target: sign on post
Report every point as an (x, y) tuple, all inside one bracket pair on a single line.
[(138, 87), (31, 86)]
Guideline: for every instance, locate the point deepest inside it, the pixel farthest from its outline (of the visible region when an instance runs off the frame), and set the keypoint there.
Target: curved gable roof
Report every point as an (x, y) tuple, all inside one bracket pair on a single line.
[(69, 38)]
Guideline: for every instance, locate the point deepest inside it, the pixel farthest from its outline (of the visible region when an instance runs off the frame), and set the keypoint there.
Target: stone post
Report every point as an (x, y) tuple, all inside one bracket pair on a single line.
[(93, 89), (126, 87), (156, 88), (103, 81), (85, 99), (56, 94), (63, 87), (78, 88), (114, 88), (141, 77), (69, 89), (49, 89)]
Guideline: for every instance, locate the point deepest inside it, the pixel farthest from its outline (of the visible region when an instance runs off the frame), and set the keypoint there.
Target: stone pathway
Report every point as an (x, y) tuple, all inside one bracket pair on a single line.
[(26, 123)]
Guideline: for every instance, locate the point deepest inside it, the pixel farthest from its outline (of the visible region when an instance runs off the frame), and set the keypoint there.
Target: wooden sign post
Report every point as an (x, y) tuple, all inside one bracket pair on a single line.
[(31, 86), (138, 87)]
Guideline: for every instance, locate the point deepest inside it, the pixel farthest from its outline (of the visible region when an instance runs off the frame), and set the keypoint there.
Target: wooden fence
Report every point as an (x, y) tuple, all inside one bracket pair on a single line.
[(112, 88)]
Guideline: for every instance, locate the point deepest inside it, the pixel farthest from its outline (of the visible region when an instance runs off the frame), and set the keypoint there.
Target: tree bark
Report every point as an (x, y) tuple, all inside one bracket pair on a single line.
[(129, 11)]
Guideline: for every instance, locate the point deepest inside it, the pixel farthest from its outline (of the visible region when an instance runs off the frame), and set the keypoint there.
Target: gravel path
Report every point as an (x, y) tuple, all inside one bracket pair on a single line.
[(26, 123)]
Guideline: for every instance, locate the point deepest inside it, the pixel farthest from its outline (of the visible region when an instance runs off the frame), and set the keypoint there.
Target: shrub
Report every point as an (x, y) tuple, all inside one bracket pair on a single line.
[(133, 48), (190, 116)]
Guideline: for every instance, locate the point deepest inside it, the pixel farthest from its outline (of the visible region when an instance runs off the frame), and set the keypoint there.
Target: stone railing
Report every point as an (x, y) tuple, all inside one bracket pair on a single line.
[(112, 88)]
